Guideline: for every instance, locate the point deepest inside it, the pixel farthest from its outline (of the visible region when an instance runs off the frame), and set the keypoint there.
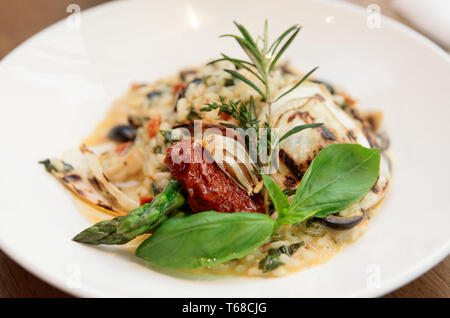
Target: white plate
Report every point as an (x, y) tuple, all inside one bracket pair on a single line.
[(59, 84)]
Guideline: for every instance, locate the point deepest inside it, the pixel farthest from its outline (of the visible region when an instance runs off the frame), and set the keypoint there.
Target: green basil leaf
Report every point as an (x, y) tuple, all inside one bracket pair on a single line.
[(291, 217), (339, 176), (205, 239), (279, 199)]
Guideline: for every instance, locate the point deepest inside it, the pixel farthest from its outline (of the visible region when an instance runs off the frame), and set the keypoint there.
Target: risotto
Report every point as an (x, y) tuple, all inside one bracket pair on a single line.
[(229, 211)]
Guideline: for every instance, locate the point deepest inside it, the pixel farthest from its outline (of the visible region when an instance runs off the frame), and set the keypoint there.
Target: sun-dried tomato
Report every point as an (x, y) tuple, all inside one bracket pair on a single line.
[(208, 187), (145, 199), (153, 126)]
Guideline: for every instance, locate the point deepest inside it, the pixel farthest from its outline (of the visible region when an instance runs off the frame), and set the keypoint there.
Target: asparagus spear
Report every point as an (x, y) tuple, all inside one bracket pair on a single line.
[(146, 218)]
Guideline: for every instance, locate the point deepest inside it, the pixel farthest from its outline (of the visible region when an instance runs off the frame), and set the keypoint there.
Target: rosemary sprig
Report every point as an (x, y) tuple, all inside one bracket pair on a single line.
[(297, 129), (262, 61), (297, 84), (263, 58)]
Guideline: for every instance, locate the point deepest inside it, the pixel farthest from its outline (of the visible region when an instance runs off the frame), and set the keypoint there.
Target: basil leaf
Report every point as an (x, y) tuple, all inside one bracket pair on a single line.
[(291, 217), (205, 239), (339, 176), (279, 199)]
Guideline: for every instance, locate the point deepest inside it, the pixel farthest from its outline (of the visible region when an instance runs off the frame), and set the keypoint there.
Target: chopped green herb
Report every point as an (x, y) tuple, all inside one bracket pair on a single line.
[(49, 166), (137, 121), (168, 137), (228, 82), (270, 263), (157, 149), (313, 228), (291, 249), (193, 114), (289, 191), (272, 260)]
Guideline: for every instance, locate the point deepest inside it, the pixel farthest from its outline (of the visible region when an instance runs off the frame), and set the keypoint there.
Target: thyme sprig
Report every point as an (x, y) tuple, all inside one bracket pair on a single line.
[(245, 115), (237, 110)]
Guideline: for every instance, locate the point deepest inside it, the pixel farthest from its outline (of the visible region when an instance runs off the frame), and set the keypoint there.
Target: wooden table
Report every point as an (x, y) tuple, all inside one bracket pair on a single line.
[(19, 19)]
